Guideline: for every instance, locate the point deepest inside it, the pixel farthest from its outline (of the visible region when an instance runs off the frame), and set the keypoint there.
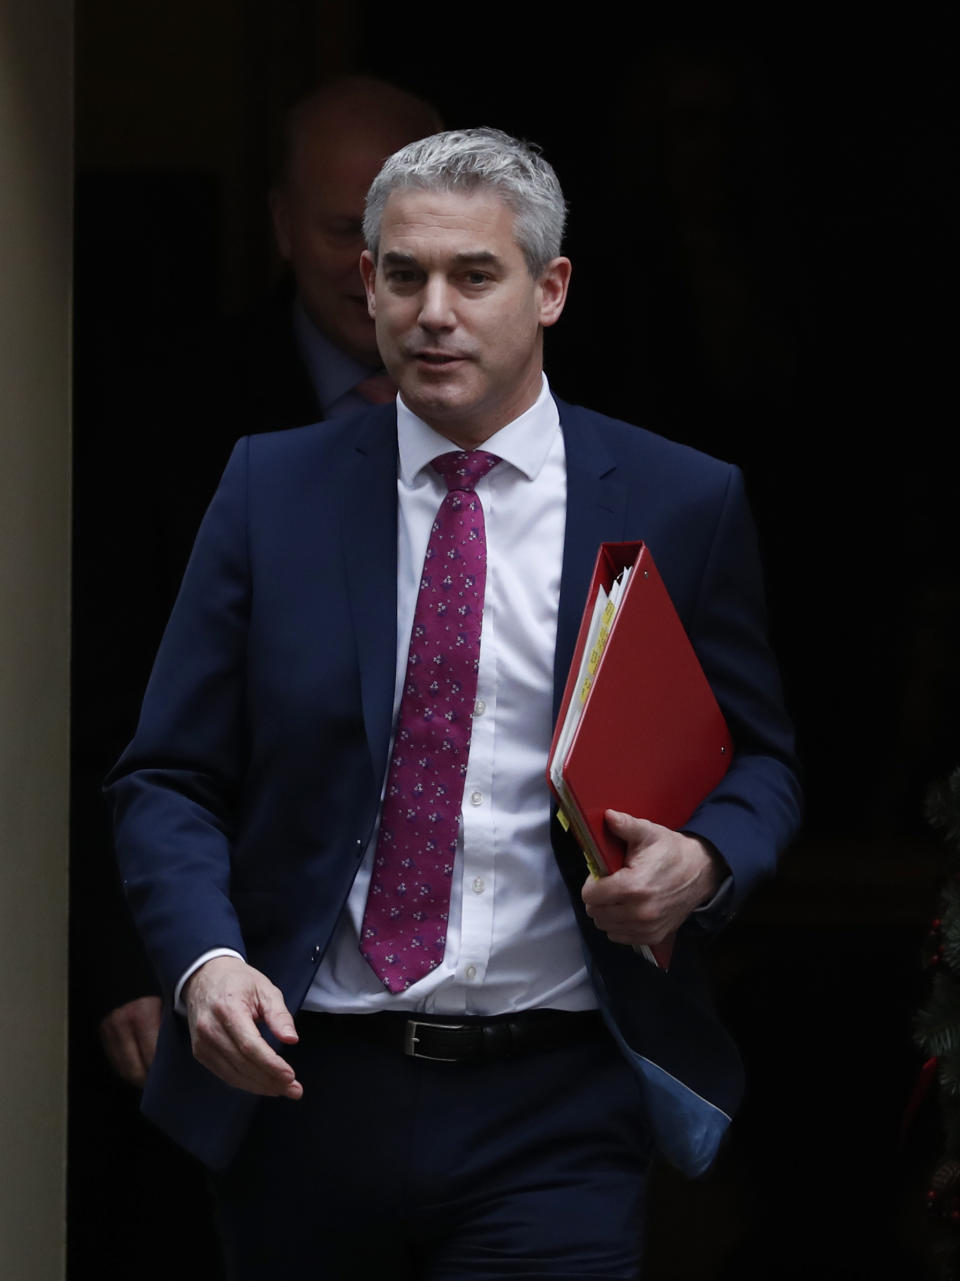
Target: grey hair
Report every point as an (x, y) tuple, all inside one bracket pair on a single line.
[(472, 160)]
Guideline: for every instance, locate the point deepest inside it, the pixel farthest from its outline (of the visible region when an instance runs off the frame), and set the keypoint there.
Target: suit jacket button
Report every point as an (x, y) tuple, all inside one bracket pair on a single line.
[(315, 955)]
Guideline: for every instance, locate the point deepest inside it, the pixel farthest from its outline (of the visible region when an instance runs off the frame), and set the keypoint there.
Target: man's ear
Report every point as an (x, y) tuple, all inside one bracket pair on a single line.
[(553, 286), (280, 216), (368, 270)]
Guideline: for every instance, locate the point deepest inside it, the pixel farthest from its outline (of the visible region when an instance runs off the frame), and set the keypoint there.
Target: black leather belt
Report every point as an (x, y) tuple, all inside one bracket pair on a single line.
[(447, 1039)]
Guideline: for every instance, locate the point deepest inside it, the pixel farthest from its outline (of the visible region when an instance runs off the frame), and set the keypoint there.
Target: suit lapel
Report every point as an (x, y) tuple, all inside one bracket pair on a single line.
[(369, 525), (596, 503)]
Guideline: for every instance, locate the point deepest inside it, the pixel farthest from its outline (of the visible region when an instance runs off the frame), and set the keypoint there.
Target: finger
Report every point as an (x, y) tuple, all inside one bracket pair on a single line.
[(607, 891), (128, 1065), (139, 1062), (254, 1074), (146, 1042), (252, 1078), (635, 831), (147, 1015), (240, 1040), (237, 1042), (122, 1051), (247, 1043), (277, 1017), (598, 894), (240, 1074), (645, 913)]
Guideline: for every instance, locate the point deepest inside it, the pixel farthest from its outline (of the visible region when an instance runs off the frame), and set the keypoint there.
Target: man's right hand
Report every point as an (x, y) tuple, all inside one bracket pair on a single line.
[(129, 1037), (225, 1000)]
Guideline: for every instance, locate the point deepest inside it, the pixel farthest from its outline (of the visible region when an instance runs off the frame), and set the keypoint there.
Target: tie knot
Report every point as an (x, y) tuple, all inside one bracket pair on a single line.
[(462, 470), (378, 389)]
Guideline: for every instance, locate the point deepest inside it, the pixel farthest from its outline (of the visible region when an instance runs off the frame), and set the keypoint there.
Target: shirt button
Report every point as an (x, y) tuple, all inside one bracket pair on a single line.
[(479, 707), (476, 798), (478, 885), (471, 972)]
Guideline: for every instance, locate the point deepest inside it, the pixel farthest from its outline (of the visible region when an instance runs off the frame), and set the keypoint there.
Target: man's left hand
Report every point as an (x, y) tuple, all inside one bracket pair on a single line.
[(665, 876)]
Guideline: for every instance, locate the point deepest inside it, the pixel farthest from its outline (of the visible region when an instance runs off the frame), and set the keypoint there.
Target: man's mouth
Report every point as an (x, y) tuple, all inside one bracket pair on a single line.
[(437, 357)]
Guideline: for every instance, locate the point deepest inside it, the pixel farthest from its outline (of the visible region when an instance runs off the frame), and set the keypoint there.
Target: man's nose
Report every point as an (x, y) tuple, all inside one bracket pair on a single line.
[(436, 305)]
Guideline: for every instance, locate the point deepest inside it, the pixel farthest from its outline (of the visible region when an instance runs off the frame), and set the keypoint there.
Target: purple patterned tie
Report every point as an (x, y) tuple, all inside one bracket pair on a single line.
[(404, 930)]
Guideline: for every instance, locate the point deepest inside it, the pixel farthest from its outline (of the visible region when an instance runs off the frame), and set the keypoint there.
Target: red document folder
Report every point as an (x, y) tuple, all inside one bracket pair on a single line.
[(651, 741)]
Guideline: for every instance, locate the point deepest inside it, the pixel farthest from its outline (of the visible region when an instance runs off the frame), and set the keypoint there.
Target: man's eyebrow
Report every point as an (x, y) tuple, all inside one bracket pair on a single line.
[(397, 258), (479, 256)]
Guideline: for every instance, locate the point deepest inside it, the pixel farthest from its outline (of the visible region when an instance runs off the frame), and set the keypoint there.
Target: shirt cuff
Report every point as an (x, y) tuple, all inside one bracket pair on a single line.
[(178, 1004), (717, 911)]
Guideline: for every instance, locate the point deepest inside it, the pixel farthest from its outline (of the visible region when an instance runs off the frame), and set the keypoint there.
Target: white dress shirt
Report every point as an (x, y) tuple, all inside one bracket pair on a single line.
[(512, 939)]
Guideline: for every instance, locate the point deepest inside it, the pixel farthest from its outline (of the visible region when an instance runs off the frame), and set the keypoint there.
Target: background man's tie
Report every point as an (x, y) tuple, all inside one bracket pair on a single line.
[(378, 389), (404, 930)]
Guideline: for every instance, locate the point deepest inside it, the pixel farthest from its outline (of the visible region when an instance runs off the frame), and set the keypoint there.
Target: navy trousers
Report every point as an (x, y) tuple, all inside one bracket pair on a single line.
[(399, 1169)]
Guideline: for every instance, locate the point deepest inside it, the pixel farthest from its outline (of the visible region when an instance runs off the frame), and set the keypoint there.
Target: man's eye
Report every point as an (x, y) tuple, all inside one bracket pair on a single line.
[(345, 229), (477, 277)]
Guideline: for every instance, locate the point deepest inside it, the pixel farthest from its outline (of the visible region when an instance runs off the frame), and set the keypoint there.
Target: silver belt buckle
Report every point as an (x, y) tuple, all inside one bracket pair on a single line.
[(410, 1039)]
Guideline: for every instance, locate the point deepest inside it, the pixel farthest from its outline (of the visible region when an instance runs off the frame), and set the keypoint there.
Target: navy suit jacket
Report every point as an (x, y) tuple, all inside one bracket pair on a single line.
[(250, 790)]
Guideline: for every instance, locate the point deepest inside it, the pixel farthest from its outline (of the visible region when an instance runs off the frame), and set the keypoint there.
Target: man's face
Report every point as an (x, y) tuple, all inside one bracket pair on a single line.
[(459, 318), (317, 219)]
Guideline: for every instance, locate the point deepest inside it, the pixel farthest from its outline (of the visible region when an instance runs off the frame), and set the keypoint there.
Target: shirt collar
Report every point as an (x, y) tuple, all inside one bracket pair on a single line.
[(332, 372), (524, 443)]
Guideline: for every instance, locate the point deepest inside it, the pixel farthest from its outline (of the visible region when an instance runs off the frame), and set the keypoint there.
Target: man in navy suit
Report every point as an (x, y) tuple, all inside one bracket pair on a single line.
[(493, 1115)]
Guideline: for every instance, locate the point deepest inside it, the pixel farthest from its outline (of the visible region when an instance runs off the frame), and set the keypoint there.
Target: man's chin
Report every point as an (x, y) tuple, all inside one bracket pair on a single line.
[(460, 418), (449, 388), (361, 347), (432, 404), (354, 335)]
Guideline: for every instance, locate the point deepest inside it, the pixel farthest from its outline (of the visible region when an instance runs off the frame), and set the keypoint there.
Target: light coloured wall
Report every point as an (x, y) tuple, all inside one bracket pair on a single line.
[(36, 89)]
